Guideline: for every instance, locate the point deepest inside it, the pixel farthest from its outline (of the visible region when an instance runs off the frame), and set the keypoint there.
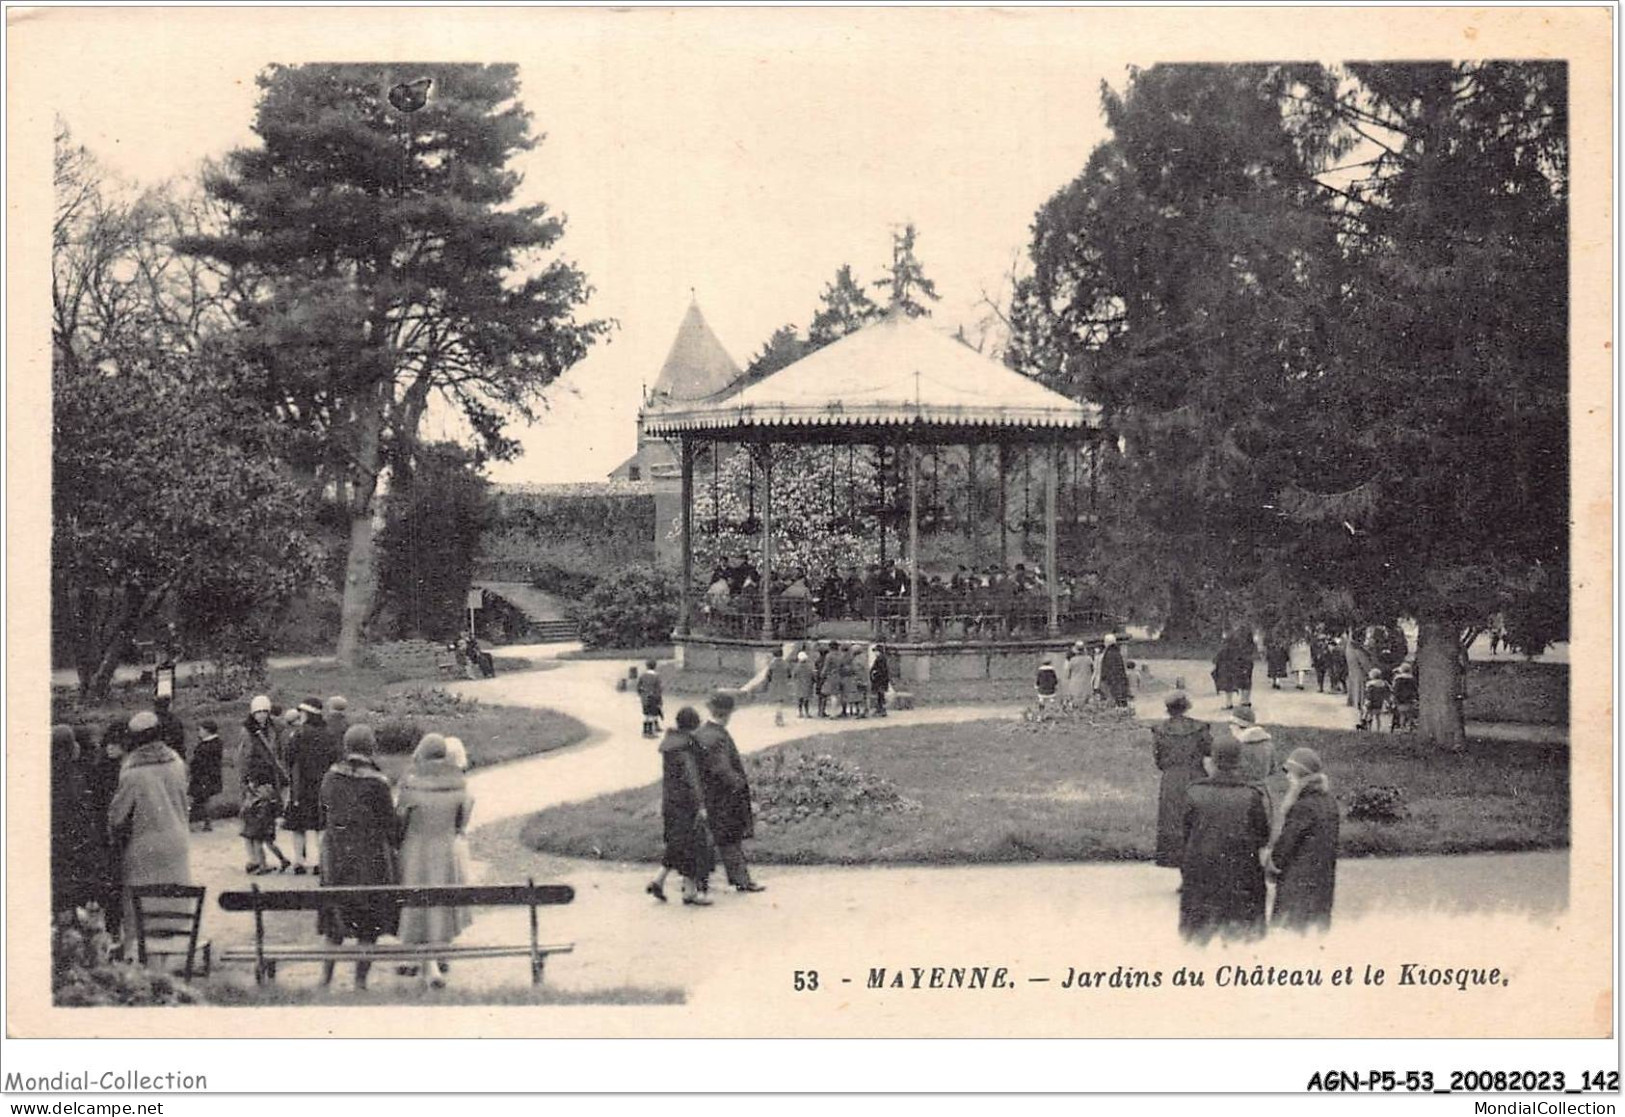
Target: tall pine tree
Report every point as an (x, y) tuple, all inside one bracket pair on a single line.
[(390, 267)]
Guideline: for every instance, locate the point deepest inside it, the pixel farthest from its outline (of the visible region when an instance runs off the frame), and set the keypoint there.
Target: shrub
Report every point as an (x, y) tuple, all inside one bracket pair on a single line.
[(1378, 804), (398, 736), (1070, 719), (85, 972), (571, 581), (792, 786), (630, 607), (432, 702)]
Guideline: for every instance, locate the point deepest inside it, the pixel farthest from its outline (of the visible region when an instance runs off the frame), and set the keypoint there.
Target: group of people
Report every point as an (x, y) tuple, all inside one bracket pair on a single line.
[(121, 815), (852, 679), (1092, 671), (320, 775), (705, 805), (1217, 824)]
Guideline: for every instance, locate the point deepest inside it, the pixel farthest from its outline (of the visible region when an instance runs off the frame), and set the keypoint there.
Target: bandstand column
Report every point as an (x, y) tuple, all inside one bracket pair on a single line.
[(1052, 577), (685, 592), (1004, 545), (767, 541), (972, 527), (913, 541)]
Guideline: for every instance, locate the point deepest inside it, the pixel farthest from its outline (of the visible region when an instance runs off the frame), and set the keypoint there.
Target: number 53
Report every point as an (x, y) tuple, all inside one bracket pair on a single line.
[(806, 980)]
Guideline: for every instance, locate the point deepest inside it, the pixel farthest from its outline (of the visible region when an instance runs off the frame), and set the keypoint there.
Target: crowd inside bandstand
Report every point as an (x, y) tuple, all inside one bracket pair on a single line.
[(993, 601)]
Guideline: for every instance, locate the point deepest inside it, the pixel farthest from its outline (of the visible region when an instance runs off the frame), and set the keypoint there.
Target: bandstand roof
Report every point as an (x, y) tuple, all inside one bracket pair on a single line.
[(895, 373)]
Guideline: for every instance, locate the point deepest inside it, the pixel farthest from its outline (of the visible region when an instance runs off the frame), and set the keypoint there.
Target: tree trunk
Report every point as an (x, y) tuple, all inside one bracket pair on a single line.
[(101, 648), (1439, 674), (361, 565)]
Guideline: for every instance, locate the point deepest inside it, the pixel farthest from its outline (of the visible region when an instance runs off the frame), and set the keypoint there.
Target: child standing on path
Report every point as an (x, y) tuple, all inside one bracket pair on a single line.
[(650, 696), (802, 675)]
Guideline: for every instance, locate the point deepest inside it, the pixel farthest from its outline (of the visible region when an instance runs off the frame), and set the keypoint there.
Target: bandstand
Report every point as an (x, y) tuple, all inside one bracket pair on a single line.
[(900, 385)]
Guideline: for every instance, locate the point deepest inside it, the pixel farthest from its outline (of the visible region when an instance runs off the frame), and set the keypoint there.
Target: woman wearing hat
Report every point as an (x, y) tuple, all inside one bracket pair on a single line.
[(1227, 825), (1113, 674), (1257, 747), (358, 847), (149, 813), (682, 814), (78, 853), (311, 752), (434, 809), (263, 779), (1303, 856), (1180, 745)]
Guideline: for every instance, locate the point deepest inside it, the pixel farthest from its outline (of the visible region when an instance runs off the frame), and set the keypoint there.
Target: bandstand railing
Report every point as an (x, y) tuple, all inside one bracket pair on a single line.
[(945, 620)]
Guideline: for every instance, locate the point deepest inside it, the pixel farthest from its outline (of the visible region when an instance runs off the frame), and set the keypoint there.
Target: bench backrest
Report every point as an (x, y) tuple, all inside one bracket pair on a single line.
[(452, 895)]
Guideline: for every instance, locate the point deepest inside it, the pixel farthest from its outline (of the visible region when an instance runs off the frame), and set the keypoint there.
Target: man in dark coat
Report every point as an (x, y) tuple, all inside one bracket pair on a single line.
[(1304, 854), (1227, 823), (727, 792), (1179, 746), (204, 770), (358, 847), (880, 679)]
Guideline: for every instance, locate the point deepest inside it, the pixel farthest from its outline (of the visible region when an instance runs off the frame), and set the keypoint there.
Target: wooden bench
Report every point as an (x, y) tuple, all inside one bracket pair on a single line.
[(265, 958)]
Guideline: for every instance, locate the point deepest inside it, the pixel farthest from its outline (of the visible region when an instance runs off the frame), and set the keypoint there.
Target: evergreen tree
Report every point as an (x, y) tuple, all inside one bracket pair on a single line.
[(784, 348), (1328, 393), (845, 308), (1183, 281), (392, 267), (430, 541), (1435, 456), (906, 276)]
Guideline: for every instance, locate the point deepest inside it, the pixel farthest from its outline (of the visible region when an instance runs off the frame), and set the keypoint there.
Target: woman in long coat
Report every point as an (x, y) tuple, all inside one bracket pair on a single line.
[(260, 771), (434, 809), (358, 846), (1233, 667), (149, 816), (1113, 675), (1179, 745), (1304, 854), (1077, 683), (311, 752), (1227, 823), (682, 814), (78, 848), (101, 771)]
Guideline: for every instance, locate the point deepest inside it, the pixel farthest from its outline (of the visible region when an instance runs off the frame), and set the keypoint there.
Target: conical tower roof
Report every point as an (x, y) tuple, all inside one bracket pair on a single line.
[(697, 366)]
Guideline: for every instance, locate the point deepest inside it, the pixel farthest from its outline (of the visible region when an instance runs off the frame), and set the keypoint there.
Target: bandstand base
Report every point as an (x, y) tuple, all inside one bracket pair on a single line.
[(951, 661)]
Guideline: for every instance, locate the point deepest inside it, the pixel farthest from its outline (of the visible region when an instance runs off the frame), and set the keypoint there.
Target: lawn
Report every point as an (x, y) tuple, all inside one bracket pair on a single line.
[(1003, 791), (631, 655), (492, 734)]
